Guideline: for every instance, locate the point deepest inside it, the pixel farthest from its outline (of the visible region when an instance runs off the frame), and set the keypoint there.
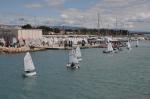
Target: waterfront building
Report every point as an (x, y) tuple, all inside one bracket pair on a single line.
[(20, 35), (24, 34)]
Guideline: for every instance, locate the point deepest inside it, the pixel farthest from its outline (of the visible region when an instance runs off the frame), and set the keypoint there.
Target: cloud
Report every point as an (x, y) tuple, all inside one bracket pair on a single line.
[(31, 6), (64, 16), (55, 3), (130, 14), (72, 16)]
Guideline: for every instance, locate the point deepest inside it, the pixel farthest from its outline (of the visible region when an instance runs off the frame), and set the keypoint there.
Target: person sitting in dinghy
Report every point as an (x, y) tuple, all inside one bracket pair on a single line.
[(72, 64)]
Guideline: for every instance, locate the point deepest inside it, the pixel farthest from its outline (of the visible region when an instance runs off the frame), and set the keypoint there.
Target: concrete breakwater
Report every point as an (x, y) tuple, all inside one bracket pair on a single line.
[(18, 50), (55, 43), (25, 49)]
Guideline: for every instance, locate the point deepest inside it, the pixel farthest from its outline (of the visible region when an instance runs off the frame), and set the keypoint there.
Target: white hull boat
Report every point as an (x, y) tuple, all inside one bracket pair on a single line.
[(73, 66), (29, 74), (79, 59)]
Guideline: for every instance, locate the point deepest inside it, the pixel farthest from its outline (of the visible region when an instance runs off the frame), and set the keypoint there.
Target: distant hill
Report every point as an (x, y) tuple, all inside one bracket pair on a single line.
[(139, 32), (66, 27)]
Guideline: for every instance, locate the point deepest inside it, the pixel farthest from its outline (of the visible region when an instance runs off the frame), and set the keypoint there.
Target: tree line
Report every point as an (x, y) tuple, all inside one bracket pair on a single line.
[(80, 31)]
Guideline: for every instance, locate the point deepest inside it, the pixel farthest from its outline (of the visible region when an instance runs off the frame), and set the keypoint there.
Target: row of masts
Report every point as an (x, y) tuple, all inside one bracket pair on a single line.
[(110, 48), (100, 24)]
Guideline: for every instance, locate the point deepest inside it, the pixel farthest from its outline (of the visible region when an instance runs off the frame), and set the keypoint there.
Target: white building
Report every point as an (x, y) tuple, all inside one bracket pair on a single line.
[(21, 34)]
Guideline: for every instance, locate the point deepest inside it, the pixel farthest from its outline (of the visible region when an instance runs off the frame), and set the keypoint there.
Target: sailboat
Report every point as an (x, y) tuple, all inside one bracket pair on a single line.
[(29, 68), (137, 43), (128, 45), (73, 61), (109, 48), (78, 53)]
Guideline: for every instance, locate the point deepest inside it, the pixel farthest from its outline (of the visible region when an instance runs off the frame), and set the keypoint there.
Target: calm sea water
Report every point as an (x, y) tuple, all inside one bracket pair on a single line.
[(125, 75)]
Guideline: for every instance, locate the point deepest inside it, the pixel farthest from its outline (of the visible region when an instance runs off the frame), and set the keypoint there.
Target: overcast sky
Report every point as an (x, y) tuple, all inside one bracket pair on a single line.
[(130, 14)]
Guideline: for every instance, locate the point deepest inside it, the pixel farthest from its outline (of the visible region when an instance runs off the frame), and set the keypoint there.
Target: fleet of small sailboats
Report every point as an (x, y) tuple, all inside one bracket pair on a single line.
[(110, 48), (29, 68), (74, 58)]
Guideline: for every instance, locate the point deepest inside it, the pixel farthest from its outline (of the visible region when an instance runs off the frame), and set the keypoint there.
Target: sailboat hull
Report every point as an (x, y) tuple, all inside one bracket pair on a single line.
[(79, 59), (29, 74), (107, 52), (72, 67), (129, 48)]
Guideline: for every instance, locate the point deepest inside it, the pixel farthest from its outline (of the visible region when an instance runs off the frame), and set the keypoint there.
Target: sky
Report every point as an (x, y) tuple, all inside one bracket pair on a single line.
[(120, 14)]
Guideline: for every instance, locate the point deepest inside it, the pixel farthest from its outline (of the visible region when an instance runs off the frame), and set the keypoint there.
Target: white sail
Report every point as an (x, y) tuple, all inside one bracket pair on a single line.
[(128, 45), (109, 46), (72, 56), (78, 52), (2, 40), (14, 40), (75, 42), (28, 63)]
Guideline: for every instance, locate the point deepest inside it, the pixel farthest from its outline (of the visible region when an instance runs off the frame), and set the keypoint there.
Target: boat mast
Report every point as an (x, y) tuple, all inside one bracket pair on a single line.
[(107, 30), (35, 22), (98, 23), (116, 26)]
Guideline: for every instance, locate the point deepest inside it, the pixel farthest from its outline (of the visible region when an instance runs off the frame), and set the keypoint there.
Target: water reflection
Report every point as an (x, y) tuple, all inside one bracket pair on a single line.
[(29, 87)]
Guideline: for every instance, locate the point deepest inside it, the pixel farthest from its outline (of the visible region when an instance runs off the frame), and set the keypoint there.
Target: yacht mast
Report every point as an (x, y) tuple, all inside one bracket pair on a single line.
[(98, 23)]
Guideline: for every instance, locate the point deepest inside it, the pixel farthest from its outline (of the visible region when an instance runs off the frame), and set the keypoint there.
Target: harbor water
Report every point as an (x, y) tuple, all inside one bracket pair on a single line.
[(123, 75)]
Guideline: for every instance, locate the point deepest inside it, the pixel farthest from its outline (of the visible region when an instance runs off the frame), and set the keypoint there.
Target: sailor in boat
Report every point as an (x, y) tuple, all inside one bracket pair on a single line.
[(29, 71), (73, 65)]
